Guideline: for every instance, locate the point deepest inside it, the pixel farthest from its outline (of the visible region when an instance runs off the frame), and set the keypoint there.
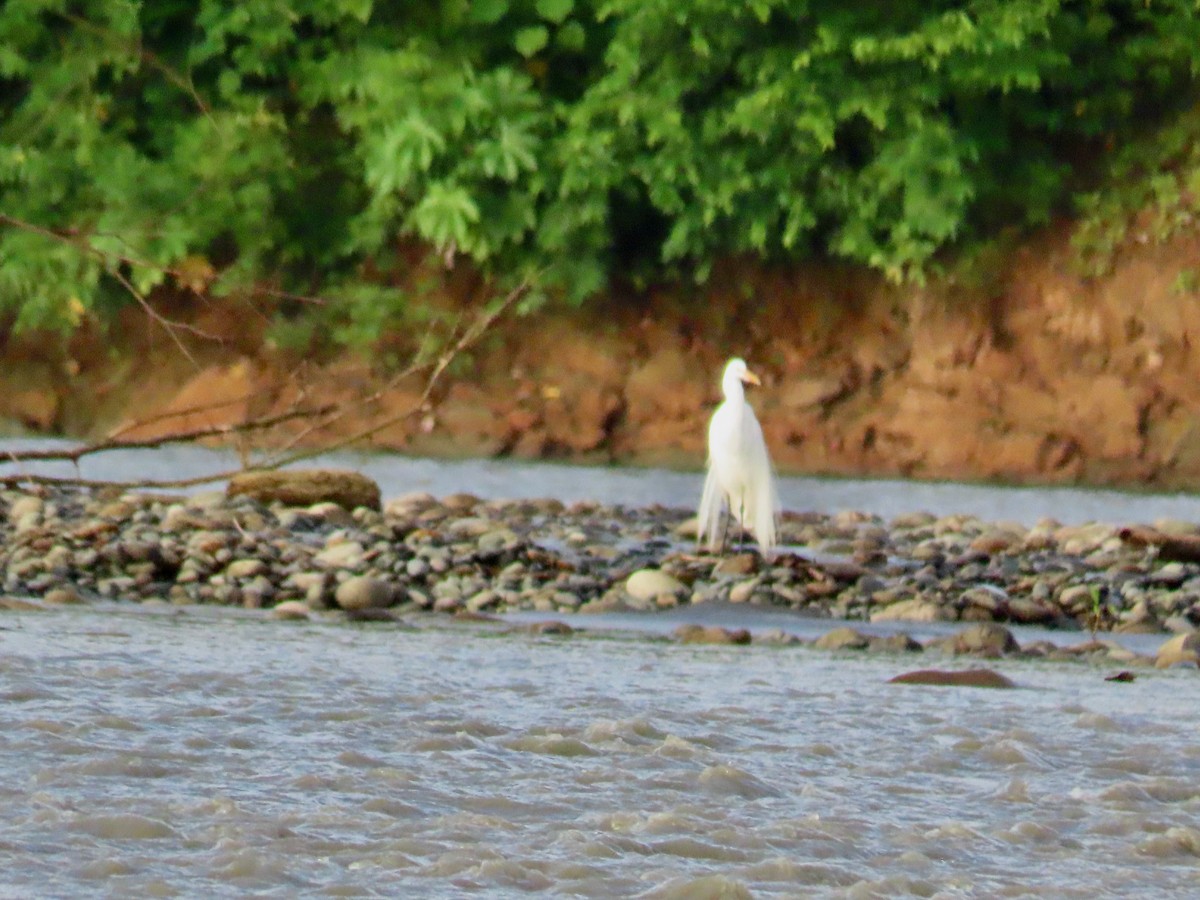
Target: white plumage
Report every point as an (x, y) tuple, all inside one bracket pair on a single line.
[(739, 470)]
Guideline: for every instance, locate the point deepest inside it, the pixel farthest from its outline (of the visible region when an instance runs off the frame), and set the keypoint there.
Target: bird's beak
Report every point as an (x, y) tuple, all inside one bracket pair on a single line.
[(750, 378)]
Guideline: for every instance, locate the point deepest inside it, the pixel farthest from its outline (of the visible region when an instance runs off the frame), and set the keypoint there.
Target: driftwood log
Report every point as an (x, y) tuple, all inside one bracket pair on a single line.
[(304, 487), (1171, 547)]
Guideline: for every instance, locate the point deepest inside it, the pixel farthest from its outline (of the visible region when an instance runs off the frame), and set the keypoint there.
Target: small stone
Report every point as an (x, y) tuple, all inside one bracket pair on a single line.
[(777, 636), (986, 597), (484, 600), (63, 596), (647, 584), (246, 568), (743, 591), (915, 609), (986, 639), (447, 604), (550, 627), (291, 610), (1028, 611), (842, 639), (364, 592), (894, 643), (995, 541), (340, 555), (738, 564)]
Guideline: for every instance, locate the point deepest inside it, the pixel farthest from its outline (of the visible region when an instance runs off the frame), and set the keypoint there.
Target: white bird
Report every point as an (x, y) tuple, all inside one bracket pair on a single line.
[(739, 470)]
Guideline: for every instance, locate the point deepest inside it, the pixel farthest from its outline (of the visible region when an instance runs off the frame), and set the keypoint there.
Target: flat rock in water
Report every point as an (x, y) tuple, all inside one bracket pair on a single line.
[(843, 638), (1183, 649), (307, 487), (955, 678), (711, 634), (292, 610), (986, 639), (551, 626)]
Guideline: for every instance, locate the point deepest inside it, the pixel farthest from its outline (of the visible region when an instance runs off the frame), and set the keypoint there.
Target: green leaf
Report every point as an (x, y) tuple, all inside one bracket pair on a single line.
[(531, 40), (445, 216), (488, 12), (571, 36), (555, 11)]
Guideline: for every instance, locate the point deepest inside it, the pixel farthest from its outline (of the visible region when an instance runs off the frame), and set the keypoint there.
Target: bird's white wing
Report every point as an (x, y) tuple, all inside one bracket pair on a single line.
[(762, 500), (712, 500)]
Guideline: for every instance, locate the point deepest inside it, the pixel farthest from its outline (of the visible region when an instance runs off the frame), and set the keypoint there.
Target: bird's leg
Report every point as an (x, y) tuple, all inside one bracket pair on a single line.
[(742, 519), (724, 518)]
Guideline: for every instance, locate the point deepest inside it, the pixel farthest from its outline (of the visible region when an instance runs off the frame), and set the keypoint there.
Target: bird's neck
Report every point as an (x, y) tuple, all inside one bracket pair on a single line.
[(734, 392)]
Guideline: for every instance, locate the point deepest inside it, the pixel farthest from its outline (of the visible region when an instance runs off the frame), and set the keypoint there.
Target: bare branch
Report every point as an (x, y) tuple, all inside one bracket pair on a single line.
[(469, 336)]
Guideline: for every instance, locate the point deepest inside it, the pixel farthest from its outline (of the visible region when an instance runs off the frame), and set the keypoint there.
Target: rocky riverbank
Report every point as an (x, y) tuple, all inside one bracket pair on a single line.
[(459, 555)]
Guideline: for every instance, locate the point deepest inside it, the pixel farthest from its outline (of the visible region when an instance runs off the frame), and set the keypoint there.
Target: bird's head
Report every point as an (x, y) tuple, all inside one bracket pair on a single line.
[(736, 369)]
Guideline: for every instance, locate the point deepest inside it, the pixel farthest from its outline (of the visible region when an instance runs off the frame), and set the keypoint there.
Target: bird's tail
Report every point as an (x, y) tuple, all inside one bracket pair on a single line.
[(762, 511), (709, 519)]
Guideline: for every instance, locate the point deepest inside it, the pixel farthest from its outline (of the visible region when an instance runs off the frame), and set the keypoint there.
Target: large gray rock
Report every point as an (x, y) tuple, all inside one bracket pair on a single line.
[(364, 592)]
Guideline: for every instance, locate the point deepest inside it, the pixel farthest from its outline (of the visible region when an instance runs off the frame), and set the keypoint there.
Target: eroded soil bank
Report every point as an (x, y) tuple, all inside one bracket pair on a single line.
[(1032, 374)]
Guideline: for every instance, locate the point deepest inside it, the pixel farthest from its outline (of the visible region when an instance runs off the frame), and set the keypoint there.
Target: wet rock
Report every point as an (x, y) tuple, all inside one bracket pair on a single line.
[(20, 604), (894, 643), (373, 615), (738, 564), (743, 591), (447, 604), (483, 600), (246, 568), (341, 554), (364, 592), (985, 678), (306, 487), (551, 627), (647, 584), (996, 540), (842, 639), (778, 637), (711, 634), (986, 639), (67, 596), (291, 610), (1182, 649), (914, 609)]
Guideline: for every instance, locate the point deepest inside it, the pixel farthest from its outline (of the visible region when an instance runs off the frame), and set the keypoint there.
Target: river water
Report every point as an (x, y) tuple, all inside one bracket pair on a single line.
[(212, 752), (510, 479)]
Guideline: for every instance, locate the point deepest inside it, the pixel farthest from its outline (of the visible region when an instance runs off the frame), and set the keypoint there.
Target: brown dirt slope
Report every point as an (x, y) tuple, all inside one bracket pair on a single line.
[(1039, 375)]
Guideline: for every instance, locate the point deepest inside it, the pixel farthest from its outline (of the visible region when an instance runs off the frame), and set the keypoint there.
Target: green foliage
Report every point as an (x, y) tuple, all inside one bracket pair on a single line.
[(304, 143), (1151, 187)]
